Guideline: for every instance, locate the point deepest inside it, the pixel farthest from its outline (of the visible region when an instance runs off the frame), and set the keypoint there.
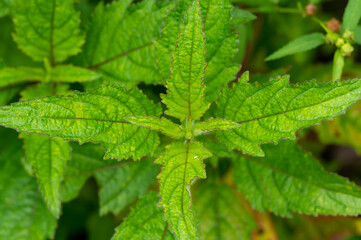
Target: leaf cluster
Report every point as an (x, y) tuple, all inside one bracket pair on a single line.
[(132, 142)]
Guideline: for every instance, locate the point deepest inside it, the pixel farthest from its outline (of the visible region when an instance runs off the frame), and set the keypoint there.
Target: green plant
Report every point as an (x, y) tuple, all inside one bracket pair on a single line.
[(205, 106), (343, 42)]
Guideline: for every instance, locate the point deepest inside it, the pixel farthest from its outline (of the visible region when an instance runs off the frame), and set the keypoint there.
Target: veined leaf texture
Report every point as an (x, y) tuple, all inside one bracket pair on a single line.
[(96, 116), (276, 110), (138, 100)]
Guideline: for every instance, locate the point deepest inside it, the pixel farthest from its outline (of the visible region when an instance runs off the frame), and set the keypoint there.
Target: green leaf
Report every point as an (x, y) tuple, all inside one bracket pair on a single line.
[(244, 78), (166, 43), (120, 182), (301, 44), (217, 148), (352, 15), (96, 115), (338, 64), (23, 213), (12, 76), (298, 184), (213, 124), (358, 35), (120, 186), (222, 214), (185, 95), (144, 222), (221, 46), (48, 29), (163, 125), (182, 165), (86, 160), (70, 74), (221, 43), (119, 41), (48, 157), (240, 16), (276, 110)]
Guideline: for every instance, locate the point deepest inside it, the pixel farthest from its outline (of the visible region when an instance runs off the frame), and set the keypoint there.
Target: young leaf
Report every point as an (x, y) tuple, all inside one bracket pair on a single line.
[(160, 124), (185, 96), (119, 41), (221, 46), (182, 164), (144, 222), (297, 184), (352, 15), (213, 124), (168, 39), (120, 186), (96, 115), (48, 157), (276, 110), (221, 212), (12, 76), (48, 29), (244, 78), (338, 64), (221, 43), (23, 213), (302, 44)]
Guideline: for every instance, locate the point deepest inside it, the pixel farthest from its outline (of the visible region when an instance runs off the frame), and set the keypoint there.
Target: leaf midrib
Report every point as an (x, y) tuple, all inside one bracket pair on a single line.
[(126, 53), (65, 118), (291, 110), (51, 41), (190, 73)]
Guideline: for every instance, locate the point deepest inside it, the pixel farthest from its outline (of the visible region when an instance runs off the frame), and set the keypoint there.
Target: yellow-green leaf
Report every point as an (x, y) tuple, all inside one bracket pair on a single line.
[(185, 94), (96, 115), (276, 110), (290, 180), (182, 164), (48, 157), (160, 124), (48, 29)]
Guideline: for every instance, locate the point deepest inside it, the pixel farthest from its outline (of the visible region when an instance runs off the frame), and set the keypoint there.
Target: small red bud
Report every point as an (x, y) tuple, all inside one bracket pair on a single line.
[(334, 25), (311, 9)]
